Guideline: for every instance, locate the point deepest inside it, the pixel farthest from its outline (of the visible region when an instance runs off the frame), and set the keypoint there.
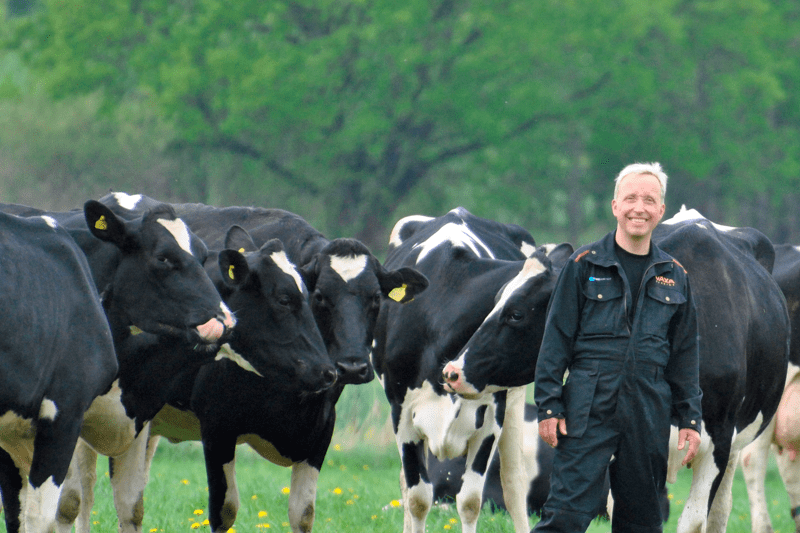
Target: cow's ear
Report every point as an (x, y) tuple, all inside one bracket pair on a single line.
[(233, 267), (310, 273), (239, 239), (103, 223), (560, 255), (402, 285)]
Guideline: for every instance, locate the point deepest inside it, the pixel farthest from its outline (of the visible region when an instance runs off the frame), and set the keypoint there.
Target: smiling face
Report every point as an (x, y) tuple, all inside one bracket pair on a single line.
[(638, 208)]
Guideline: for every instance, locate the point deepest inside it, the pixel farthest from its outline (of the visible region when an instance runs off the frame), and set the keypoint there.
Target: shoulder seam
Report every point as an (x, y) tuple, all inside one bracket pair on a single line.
[(680, 265)]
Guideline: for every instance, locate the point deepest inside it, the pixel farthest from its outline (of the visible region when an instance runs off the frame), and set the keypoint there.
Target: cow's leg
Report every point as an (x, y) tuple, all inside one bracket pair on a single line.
[(754, 466), (12, 490), (418, 493), (53, 448), (790, 473), (512, 462), (470, 497), (694, 517), (302, 497), (77, 493), (223, 494), (723, 499), (129, 472)]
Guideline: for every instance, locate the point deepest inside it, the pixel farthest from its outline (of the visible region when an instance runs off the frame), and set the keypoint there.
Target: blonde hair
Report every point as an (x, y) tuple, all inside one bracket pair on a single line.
[(653, 169)]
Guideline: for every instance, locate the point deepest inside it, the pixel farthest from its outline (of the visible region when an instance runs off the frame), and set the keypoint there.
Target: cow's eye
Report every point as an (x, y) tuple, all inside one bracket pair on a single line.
[(319, 299), (165, 261), (515, 316), (285, 300)]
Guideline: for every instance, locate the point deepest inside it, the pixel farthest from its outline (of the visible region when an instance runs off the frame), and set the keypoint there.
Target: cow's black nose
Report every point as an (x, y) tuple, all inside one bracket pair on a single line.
[(353, 372), (328, 377)]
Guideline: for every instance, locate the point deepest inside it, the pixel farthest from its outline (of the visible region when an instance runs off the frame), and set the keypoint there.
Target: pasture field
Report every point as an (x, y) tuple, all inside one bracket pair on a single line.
[(358, 491), (358, 487)]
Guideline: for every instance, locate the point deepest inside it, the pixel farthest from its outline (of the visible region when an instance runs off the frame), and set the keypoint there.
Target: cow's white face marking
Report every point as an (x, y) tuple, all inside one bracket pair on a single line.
[(348, 267), (458, 235), (179, 231), (685, 215), (226, 352), (528, 249), (394, 238), (127, 201), (531, 269), (48, 410), (284, 264), (50, 221)]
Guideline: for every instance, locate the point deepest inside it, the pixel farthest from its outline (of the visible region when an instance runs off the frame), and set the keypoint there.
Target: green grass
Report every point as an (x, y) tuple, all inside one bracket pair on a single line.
[(356, 487), (355, 493)]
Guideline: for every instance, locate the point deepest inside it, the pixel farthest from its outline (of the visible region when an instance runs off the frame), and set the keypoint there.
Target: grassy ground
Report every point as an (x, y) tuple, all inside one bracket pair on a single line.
[(358, 491)]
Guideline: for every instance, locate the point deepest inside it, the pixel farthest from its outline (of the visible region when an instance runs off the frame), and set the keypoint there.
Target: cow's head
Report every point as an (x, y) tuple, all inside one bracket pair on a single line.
[(347, 285), (503, 351), (276, 335), (152, 278)]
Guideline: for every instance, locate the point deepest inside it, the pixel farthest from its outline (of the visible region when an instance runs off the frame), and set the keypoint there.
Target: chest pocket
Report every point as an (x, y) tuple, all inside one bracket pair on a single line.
[(604, 309), (662, 303)]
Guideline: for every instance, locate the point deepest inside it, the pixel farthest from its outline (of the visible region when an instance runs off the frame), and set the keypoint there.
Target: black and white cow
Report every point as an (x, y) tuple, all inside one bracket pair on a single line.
[(56, 355), (468, 261), (784, 430), (744, 343), (348, 284), (149, 271)]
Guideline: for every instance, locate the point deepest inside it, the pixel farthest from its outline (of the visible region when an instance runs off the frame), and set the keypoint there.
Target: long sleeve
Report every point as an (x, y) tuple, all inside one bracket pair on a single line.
[(561, 328)]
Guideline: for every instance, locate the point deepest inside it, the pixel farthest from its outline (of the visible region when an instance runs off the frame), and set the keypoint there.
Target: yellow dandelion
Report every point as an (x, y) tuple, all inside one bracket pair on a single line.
[(198, 511), (285, 490), (94, 512), (447, 526), (366, 467), (670, 496), (355, 496), (262, 514), (185, 481), (154, 530), (454, 520), (395, 503), (95, 522), (254, 497), (374, 517), (342, 468), (196, 526), (205, 522), (328, 519), (330, 462), (285, 524), (349, 502), (337, 491), (337, 447)]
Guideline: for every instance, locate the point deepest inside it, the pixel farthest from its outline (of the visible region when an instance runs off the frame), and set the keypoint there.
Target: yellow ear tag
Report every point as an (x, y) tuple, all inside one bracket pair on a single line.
[(398, 293), (241, 250), (230, 272), (101, 223), (135, 330)]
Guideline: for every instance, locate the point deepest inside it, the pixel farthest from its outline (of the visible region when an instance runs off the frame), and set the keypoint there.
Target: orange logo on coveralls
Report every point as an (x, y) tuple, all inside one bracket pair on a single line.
[(665, 281)]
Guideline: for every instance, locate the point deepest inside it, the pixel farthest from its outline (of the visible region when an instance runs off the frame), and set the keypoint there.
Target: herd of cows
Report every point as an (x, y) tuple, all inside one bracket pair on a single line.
[(133, 319)]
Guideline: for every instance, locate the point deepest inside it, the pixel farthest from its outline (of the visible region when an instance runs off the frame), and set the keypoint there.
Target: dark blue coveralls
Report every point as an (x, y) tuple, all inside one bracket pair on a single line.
[(627, 381)]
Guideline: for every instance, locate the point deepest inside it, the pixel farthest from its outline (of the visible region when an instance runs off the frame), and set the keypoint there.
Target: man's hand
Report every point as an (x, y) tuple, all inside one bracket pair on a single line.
[(686, 435), (549, 428)]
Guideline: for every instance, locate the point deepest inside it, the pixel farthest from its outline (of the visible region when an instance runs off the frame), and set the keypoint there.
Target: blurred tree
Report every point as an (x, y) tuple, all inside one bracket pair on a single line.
[(356, 112)]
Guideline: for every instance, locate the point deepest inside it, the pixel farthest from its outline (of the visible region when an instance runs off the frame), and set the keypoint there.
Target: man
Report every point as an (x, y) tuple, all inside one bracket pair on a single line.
[(623, 322)]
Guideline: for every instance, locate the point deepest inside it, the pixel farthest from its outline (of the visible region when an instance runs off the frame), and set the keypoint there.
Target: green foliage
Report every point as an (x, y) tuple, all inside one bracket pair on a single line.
[(356, 113)]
